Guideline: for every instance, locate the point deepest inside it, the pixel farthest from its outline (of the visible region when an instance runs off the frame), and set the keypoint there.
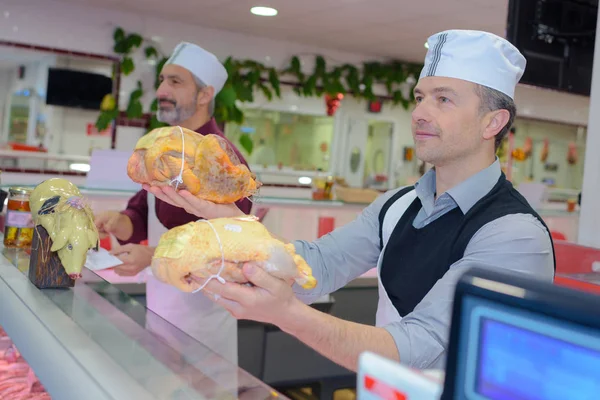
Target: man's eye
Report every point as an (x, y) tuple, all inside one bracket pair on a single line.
[(418, 99), (444, 99)]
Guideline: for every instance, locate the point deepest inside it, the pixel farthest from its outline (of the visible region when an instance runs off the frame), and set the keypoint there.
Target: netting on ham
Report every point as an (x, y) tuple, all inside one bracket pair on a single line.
[(206, 166), (190, 255)]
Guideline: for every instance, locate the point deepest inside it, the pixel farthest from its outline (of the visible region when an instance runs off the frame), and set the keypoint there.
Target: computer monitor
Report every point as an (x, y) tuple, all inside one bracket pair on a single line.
[(514, 337)]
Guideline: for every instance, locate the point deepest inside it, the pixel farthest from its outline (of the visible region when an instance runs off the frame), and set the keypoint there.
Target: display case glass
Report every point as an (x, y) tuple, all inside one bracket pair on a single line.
[(94, 336)]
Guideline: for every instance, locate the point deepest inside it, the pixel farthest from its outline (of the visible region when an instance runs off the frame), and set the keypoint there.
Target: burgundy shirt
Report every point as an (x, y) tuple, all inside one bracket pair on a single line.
[(171, 216)]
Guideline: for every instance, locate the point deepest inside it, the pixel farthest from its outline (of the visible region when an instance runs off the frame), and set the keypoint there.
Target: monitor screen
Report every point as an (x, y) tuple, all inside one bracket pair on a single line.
[(557, 37), (515, 337), (78, 89), (516, 363), (513, 353)]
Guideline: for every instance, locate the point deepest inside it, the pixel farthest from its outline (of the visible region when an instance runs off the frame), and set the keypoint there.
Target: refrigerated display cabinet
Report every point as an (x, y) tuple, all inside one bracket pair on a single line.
[(91, 342)]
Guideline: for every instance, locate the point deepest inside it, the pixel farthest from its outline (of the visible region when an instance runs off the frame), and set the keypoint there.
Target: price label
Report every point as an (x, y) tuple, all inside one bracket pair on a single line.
[(18, 219)]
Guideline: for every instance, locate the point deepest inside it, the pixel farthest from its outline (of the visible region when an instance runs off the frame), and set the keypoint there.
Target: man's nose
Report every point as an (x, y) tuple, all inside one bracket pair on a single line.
[(162, 91), (421, 112)]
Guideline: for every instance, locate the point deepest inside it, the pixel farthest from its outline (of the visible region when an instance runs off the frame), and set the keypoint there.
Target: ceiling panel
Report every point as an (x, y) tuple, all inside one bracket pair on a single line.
[(389, 28)]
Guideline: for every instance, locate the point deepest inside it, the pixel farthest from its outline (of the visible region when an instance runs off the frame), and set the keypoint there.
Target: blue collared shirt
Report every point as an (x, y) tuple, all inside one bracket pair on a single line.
[(516, 242)]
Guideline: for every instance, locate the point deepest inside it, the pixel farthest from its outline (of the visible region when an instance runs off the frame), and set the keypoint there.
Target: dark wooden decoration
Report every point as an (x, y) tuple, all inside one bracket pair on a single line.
[(45, 269)]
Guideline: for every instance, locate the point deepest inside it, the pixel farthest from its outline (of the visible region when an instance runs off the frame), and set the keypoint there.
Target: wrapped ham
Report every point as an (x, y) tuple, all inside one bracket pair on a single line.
[(206, 166), (189, 255)]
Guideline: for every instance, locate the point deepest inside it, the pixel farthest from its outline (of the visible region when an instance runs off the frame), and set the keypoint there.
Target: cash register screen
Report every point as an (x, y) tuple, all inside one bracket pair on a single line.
[(520, 356)]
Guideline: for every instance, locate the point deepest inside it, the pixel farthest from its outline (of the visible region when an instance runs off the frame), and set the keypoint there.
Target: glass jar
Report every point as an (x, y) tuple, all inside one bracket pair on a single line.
[(18, 225), (321, 187)]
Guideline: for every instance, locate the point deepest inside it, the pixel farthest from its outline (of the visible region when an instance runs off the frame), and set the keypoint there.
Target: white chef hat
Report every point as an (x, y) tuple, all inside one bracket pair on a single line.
[(201, 63), (475, 56)]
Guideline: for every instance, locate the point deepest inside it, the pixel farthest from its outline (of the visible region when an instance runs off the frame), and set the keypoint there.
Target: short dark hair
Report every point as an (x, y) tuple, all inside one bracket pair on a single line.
[(492, 100), (201, 85)]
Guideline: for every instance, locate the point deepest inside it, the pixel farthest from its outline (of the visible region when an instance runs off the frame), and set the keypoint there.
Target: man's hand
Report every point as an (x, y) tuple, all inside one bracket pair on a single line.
[(271, 300), (193, 205), (113, 222), (135, 257)]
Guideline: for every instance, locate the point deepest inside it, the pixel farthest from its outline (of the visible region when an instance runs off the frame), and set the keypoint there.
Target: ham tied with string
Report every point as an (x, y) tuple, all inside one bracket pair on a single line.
[(206, 166), (190, 255)]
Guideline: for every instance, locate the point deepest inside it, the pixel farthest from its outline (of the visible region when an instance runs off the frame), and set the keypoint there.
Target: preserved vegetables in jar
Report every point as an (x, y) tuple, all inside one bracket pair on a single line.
[(18, 225)]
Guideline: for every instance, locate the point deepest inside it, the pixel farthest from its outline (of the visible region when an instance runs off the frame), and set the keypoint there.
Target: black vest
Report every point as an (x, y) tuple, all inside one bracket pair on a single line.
[(415, 259)]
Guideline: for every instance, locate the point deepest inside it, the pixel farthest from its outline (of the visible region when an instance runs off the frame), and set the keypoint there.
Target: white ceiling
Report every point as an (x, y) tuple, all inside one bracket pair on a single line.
[(388, 28)]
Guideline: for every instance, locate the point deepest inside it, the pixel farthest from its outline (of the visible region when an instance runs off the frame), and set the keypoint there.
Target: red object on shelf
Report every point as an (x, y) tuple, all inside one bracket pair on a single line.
[(106, 243), (558, 235), (374, 106), (577, 284), (26, 147), (326, 225), (574, 259)]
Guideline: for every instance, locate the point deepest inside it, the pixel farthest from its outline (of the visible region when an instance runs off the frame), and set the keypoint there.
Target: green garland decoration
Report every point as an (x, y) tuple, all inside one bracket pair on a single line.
[(248, 76), (125, 45)]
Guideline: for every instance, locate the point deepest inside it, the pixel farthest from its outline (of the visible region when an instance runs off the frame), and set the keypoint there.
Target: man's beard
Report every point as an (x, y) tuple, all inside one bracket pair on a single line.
[(177, 114)]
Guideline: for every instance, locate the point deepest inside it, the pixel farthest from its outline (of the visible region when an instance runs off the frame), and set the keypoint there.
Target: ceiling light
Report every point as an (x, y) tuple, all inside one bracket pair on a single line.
[(426, 45), (264, 11), (80, 167), (304, 180)]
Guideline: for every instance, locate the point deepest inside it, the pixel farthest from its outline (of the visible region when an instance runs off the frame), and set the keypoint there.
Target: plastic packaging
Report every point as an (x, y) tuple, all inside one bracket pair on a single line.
[(206, 166), (191, 255)]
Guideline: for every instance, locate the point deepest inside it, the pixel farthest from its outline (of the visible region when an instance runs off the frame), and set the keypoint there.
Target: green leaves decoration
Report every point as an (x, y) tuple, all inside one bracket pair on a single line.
[(246, 77)]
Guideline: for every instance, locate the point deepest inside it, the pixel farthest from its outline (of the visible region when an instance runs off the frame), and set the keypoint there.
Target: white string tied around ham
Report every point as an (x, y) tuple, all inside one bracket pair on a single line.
[(218, 275), (179, 178)]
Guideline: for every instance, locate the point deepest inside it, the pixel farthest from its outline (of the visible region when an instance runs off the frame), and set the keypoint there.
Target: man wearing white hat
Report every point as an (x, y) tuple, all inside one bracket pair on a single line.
[(189, 82), (421, 239)]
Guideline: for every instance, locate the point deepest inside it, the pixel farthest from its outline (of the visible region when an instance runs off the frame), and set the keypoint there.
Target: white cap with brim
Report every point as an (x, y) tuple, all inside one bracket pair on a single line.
[(202, 64), (475, 56)]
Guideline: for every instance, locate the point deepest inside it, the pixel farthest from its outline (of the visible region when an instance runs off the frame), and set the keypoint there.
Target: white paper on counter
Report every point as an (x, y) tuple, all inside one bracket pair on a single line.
[(101, 259)]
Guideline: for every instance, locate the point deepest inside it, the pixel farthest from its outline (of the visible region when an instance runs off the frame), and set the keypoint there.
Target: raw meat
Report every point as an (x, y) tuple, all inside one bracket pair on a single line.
[(17, 379), (189, 254), (211, 170)]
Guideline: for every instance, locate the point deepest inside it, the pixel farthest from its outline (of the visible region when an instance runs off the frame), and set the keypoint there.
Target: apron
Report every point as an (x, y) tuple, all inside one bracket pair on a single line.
[(193, 313), (386, 312)]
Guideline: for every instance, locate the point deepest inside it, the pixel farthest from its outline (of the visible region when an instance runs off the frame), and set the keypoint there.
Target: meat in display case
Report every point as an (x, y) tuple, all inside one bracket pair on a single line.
[(17, 379), (91, 341)]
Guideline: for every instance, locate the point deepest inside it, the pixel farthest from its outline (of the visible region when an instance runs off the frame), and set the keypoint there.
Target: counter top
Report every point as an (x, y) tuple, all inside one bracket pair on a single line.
[(97, 335)]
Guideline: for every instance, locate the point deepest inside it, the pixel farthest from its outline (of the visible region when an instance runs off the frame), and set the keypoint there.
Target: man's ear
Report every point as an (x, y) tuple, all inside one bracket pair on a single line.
[(206, 95), (495, 121)]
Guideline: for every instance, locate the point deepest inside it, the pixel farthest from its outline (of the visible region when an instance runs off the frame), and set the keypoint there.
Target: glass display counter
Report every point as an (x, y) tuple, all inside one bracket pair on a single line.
[(91, 341)]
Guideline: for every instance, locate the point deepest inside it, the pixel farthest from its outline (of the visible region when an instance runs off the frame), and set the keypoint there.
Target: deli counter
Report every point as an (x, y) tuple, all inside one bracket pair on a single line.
[(91, 342)]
